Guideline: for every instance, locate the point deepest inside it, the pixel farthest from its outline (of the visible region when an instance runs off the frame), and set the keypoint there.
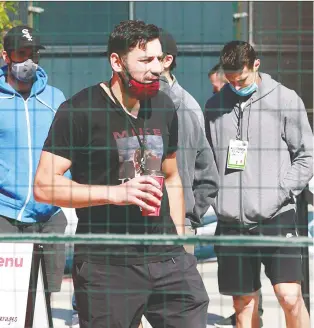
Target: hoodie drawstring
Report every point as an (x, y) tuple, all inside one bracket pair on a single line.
[(248, 120)]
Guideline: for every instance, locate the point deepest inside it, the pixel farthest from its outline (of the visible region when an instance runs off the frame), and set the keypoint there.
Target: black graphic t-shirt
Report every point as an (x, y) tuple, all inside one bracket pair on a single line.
[(96, 135)]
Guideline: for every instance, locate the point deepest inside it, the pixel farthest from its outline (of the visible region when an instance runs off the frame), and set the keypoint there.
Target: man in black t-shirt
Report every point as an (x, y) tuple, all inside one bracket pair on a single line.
[(104, 135)]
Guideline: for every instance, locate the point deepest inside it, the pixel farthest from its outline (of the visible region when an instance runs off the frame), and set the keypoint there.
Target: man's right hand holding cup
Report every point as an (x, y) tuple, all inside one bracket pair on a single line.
[(143, 191)]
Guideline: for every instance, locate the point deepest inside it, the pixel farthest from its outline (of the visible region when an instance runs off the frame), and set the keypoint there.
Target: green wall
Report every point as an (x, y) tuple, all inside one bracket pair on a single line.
[(200, 29)]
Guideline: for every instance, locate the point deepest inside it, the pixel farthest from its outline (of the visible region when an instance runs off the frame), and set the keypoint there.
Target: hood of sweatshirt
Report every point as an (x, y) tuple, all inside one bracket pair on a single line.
[(165, 86)]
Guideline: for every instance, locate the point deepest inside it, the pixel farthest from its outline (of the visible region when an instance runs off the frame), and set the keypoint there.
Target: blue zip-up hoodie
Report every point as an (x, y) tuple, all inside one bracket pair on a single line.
[(24, 125)]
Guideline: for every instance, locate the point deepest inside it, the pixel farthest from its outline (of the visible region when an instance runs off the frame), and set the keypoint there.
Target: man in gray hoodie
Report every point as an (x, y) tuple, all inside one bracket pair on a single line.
[(218, 81), (195, 160), (262, 144)]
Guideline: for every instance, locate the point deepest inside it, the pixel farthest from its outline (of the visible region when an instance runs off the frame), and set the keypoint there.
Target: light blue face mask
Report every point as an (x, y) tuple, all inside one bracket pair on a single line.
[(244, 91)]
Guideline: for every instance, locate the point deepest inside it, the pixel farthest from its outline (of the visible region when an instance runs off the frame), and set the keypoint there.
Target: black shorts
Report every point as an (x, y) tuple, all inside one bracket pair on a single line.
[(169, 293), (239, 267), (54, 254)]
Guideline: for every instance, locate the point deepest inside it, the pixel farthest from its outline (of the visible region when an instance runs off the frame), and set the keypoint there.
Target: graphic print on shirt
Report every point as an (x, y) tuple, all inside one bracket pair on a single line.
[(130, 155)]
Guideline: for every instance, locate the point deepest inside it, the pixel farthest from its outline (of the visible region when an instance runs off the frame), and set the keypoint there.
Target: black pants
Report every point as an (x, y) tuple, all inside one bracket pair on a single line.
[(54, 254), (169, 294)]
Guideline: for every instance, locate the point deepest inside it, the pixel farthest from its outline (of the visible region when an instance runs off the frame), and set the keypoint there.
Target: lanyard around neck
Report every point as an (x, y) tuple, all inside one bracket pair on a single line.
[(141, 143)]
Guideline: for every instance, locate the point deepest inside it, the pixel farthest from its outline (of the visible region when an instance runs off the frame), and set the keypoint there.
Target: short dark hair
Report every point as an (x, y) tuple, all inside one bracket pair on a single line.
[(216, 69), (169, 46), (128, 34), (237, 54)]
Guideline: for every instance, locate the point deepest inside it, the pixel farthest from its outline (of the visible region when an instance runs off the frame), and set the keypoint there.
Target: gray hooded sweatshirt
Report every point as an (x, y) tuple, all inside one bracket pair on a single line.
[(279, 160), (185, 100), (195, 159)]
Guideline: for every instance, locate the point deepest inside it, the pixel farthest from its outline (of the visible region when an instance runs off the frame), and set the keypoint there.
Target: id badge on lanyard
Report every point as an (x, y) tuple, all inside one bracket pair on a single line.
[(237, 154)]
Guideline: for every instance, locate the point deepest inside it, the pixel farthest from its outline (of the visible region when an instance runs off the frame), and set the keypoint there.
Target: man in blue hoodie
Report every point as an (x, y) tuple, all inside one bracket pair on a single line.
[(27, 108), (262, 143)]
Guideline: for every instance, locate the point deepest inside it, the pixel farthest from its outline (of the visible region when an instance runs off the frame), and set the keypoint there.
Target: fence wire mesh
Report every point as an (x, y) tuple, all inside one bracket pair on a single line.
[(106, 149)]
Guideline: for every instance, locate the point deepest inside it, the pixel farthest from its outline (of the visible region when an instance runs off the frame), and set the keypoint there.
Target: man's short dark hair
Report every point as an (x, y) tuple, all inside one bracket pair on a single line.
[(128, 34), (237, 54), (216, 69), (169, 46)]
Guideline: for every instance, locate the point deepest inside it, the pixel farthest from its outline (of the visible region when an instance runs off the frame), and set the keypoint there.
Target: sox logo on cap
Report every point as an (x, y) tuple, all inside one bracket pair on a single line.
[(27, 35)]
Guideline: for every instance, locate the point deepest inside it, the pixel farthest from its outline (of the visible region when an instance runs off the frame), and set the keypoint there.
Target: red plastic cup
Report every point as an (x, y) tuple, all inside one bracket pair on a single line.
[(160, 178)]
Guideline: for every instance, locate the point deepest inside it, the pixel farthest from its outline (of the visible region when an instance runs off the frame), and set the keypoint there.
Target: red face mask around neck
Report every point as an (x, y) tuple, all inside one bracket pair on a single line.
[(138, 89)]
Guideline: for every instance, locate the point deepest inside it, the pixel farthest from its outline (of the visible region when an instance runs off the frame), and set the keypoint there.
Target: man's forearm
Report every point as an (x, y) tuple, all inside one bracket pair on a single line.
[(176, 202), (64, 192)]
